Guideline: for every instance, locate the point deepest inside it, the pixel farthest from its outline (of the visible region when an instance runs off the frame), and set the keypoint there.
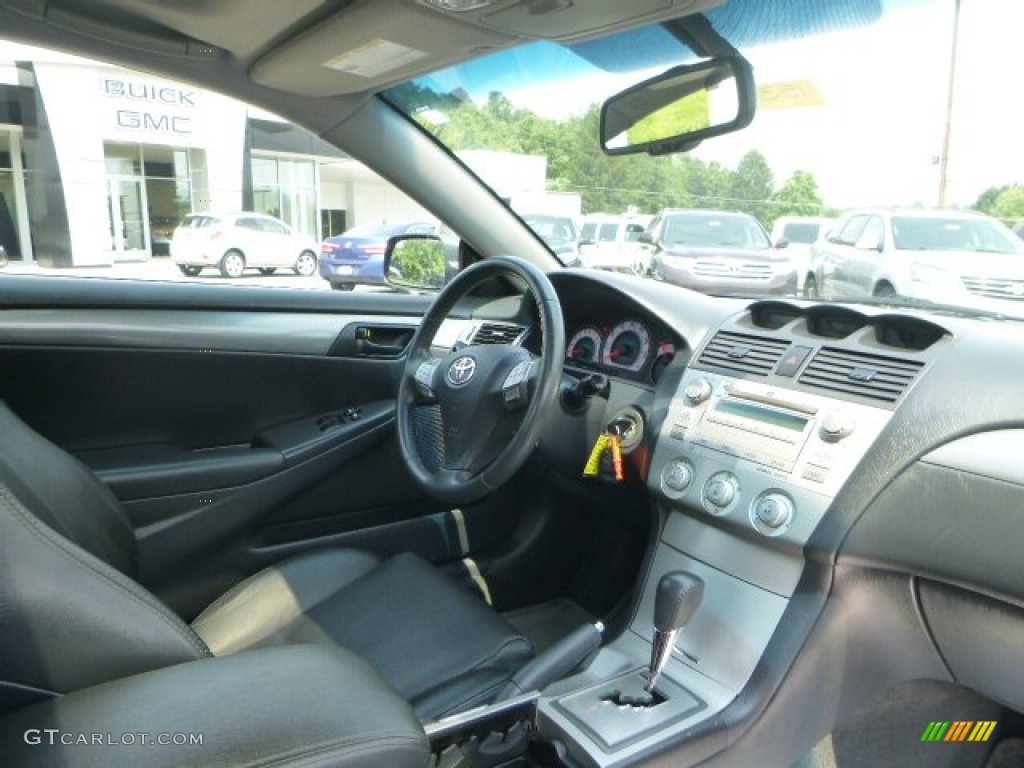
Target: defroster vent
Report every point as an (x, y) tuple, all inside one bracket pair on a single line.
[(743, 352), (858, 373)]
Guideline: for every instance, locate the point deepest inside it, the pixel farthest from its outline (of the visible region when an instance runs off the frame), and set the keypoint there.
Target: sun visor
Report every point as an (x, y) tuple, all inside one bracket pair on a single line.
[(370, 44)]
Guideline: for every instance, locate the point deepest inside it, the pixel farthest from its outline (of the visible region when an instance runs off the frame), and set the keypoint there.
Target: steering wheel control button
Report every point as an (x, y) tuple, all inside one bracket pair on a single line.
[(461, 371), (721, 492), (771, 513), (516, 389), (424, 377), (835, 426), (676, 477), (697, 391)]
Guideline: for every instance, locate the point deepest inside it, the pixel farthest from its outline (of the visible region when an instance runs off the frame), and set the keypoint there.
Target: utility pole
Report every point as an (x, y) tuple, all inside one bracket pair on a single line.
[(950, 97)]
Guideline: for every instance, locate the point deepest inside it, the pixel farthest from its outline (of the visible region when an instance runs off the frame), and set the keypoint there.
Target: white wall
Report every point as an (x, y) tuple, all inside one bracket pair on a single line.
[(90, 104)]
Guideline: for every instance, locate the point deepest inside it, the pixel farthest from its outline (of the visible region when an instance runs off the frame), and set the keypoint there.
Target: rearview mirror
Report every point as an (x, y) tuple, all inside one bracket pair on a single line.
[(676, 110), (415, 262)]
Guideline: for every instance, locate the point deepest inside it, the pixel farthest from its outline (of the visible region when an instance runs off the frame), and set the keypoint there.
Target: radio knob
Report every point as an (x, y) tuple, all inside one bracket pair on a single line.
[(720, 490), (835, 426), (774, 510), (697, 391), (677, 475)]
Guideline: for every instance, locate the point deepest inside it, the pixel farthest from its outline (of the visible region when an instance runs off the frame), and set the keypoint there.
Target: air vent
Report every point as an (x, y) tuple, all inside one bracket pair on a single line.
[(858, 373), (743, 352), (497, 333)]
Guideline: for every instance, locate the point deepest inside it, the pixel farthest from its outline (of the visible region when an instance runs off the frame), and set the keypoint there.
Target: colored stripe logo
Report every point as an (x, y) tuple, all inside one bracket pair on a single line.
[(959, 730)]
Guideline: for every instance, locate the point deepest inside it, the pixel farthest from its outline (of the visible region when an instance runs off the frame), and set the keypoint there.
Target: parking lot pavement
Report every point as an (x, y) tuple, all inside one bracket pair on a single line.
[(164, 269)]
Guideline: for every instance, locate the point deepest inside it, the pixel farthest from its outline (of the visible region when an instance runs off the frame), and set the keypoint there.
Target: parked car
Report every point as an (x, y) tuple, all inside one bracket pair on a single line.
[(609, 241), (560, 234), (797, 234), (356, 257), (718, 252), (948, 256), (235, 242)]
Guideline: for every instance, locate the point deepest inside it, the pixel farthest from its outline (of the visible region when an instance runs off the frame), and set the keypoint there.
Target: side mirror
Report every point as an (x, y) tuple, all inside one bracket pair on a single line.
[(415, 262), (645, 237), (782, 243), (676, 110)]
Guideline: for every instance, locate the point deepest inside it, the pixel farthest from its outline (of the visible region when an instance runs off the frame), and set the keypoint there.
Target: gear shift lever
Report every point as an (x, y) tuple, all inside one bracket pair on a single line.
[(678, 596)]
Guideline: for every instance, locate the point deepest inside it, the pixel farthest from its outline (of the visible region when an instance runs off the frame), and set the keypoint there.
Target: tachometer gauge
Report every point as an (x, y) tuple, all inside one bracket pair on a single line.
[(627, 346), (584, 346)]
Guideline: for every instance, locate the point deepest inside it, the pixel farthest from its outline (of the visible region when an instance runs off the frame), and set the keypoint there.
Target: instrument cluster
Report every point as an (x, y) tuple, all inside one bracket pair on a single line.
[(627, 349)]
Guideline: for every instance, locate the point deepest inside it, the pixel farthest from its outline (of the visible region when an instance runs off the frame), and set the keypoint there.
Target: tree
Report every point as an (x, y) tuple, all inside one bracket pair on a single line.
[(798, 196), (1009, 205), (988, 198), (752, 185)]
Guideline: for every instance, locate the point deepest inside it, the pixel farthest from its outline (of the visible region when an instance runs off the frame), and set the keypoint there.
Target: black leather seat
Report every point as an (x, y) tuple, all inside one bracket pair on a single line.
[(74, 616)]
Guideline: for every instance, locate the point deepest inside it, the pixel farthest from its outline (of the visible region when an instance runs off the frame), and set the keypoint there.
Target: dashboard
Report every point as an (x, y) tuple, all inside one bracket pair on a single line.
[(830, 474)]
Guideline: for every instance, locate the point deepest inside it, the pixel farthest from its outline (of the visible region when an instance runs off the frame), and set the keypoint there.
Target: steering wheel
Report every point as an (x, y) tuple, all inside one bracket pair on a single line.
[(468, 421)]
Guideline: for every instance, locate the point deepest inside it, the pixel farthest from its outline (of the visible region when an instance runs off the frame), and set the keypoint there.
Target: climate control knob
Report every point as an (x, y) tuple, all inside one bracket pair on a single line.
[(677, 475), (771, 512), (835, 426), (720, 492), (697, 391)]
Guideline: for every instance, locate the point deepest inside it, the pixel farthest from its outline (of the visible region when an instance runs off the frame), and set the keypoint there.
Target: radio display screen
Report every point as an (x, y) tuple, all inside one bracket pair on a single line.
[(764, 415)]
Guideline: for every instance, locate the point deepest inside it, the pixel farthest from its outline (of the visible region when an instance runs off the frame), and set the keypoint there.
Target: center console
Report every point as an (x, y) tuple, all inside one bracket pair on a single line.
[(745, 471)]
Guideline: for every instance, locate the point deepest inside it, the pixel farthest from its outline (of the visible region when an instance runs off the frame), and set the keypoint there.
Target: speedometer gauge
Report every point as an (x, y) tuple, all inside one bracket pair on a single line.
[(584, 346), (627, 346)]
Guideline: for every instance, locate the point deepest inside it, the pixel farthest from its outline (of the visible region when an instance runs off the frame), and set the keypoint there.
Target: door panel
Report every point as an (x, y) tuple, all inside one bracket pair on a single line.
[(228, 433)]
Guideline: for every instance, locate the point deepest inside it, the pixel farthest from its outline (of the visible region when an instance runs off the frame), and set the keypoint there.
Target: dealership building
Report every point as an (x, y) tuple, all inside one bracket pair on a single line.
[(98, 164)]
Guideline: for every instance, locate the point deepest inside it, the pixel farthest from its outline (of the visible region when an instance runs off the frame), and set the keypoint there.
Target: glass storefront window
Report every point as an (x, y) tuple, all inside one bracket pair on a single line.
[(171, 182), (286, 188), (264, 172), (122, 159)]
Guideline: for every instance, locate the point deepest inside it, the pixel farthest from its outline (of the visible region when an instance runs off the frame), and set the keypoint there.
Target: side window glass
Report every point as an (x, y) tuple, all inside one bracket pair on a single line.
[(851, 231), (153, 203), (872, 237)]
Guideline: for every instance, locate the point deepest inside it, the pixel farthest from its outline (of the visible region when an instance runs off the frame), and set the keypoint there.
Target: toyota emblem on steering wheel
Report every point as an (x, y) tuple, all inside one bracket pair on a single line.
[(461, 371)]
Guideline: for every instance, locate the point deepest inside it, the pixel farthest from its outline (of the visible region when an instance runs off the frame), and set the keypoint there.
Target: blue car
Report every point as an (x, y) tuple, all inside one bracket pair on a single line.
[(356, 257)]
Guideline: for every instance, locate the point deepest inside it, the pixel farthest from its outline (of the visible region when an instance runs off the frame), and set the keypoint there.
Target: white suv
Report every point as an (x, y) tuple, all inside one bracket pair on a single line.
[(608, 241), (797, 234), (946, 256), (234, 242)]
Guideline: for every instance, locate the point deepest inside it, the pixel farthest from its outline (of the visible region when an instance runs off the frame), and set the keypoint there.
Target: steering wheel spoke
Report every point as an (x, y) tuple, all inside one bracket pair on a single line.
[(515, 390), (425, 379)]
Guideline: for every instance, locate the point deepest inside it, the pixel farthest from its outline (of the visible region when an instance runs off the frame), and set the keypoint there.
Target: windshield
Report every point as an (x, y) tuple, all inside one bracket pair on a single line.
[(920, 124), (801, 232), (709, 230), (948, 234), (551, 228)]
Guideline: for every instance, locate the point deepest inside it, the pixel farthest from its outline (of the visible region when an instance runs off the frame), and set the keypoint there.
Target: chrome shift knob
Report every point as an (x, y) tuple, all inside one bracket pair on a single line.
[(679, 595)]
